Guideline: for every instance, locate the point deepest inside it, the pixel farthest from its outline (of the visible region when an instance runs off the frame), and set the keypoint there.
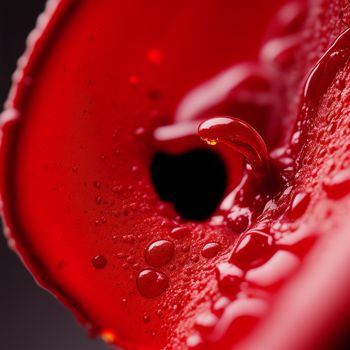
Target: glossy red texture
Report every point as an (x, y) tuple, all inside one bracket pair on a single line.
[(107, 85), (240, 136), (77, 184)]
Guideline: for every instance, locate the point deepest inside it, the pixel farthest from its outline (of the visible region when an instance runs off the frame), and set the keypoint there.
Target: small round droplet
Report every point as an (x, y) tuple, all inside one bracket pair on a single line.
[(210, 250), (159, 253), (146, 318), (179, 232), (99, 262), (152, 283)]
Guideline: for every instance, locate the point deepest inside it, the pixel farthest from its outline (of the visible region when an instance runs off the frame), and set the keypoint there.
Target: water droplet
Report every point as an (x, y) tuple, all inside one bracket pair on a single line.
[(136, 266), (229, 277), (240, 136), (146, 318), (179, 232), (252, 250), (152, 283), (176, 308), (99, 262), (130, 259), (299, 205), (159, 253), (338, 185), (210, 250)]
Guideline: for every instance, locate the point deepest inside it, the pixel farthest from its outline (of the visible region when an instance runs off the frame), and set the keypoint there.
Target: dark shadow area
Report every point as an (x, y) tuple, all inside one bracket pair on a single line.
[(194, 182)]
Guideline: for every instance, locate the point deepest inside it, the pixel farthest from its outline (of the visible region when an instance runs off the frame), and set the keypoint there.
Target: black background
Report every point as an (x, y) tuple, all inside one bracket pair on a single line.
[(30, 318)]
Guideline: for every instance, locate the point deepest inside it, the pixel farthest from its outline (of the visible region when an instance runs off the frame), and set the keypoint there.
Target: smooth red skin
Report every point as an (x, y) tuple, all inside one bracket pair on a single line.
[(74, 95), (77, 280)]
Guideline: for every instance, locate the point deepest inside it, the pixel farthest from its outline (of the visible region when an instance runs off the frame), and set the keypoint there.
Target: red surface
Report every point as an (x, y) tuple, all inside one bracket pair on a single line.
[(76, 186)]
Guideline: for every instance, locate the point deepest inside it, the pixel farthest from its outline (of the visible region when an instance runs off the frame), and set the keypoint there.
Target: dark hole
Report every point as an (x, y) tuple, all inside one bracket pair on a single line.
[(194, 182)]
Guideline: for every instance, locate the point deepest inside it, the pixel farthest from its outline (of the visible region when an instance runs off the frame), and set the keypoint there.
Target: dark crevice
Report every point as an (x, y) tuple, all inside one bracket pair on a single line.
[(194, 182)]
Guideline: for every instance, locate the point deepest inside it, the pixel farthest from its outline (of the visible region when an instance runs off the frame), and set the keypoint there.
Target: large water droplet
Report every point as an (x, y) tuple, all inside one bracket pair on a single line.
[(152, 283), (253, 249), (159, 253), (240, 136)]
